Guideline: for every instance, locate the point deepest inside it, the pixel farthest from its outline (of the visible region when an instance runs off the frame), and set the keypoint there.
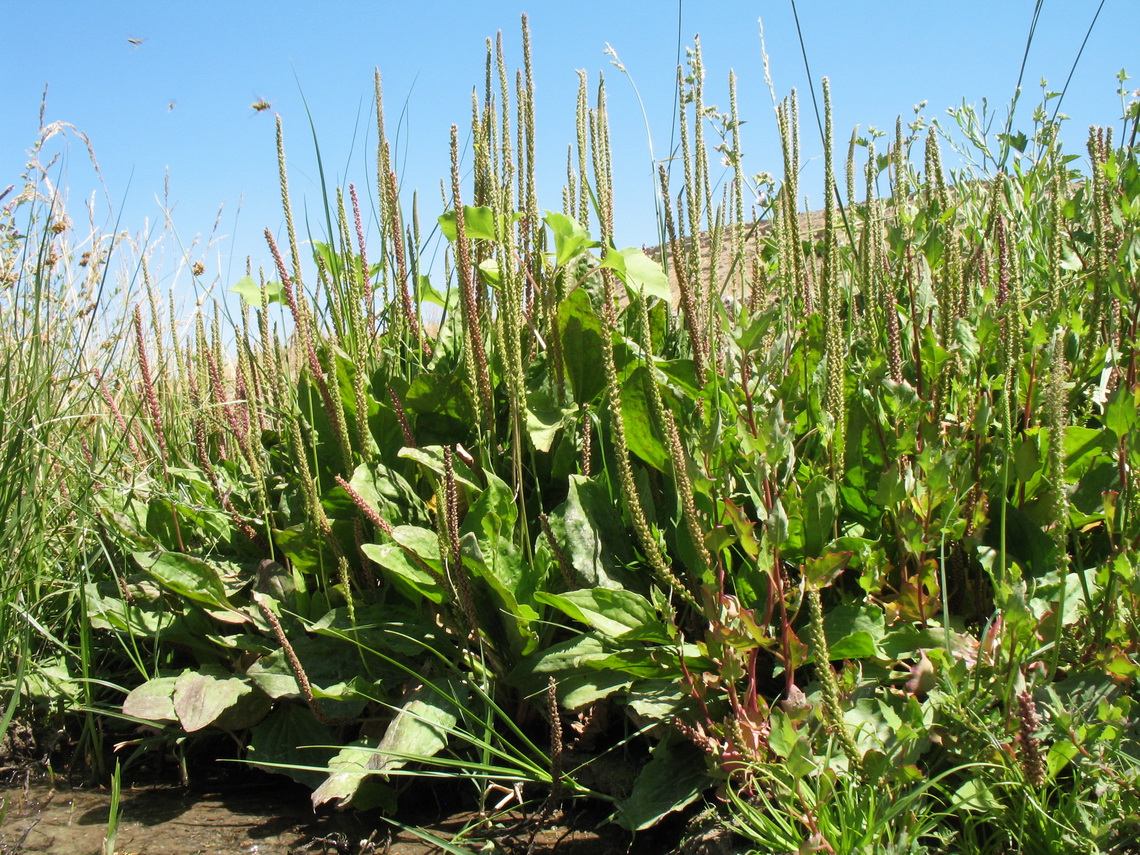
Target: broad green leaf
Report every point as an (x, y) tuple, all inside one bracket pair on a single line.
[(186, 576), (273, 676), (51, 681), (782, 734), (479, 223), (658, 699), (544, 418), (432, 457), (976, 795), (427, 293), (570, 239), (325, 451), (126, 519), (1121, 412), (1083, 445), (573, 654), (302, 546), (153, 701), (166, 520), (589, 528), (346, 699), (328, 256), (250, 291), (333, 667), (613, 613), (386, 491), (492, 511), (854, 631), (414, 551), (908, 640), (106, 609), (1070, 260), (203, 698), (641, 430), (581, 333), (1024, 541), (674, 778), (490, 273), (419, 730), (501, 565), (404, 571), (643, 276), (646, 661), (488, 549), (577, 690), (598, 659), (777, 523), (892, 488), (819, 501), (1060, 754), (290, 736), (423, 542), (932, 248), (347, 772), (442, 402), (872, 723), (821, 572)]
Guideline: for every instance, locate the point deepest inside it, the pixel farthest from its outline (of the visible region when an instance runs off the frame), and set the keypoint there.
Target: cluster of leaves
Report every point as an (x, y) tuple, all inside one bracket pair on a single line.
[(860, 540)]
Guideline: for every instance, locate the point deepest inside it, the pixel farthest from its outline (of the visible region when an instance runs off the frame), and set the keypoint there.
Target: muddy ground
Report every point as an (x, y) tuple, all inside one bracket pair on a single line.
[(271, 816), (52, 802), (263, 819)]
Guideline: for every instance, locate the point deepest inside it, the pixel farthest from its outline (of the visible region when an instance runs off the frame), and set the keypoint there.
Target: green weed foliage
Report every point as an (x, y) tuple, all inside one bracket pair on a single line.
[(836, 520)]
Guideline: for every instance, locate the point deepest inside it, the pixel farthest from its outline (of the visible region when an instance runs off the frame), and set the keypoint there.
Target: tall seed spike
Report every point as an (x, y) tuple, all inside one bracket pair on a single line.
[(581, 124), (835, 342), (477, 363)]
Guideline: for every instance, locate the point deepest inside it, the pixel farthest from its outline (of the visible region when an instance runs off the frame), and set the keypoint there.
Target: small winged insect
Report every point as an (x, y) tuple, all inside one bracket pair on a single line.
[(136, 42), (260, 105)]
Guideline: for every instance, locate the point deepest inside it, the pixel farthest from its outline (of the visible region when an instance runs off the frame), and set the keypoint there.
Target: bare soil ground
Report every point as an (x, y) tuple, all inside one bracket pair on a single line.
[(259, 821), (270, 816)]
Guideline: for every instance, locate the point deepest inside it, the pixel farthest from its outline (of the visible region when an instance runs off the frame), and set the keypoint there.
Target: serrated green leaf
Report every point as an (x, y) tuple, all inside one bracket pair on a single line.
[(1120, 414)]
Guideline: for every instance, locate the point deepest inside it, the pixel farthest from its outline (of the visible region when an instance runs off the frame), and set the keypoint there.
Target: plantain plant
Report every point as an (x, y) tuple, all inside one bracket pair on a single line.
[(836, 508)]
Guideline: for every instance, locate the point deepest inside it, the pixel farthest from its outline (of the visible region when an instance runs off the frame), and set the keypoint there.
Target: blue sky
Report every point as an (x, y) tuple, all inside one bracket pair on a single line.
[(171, 115)]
